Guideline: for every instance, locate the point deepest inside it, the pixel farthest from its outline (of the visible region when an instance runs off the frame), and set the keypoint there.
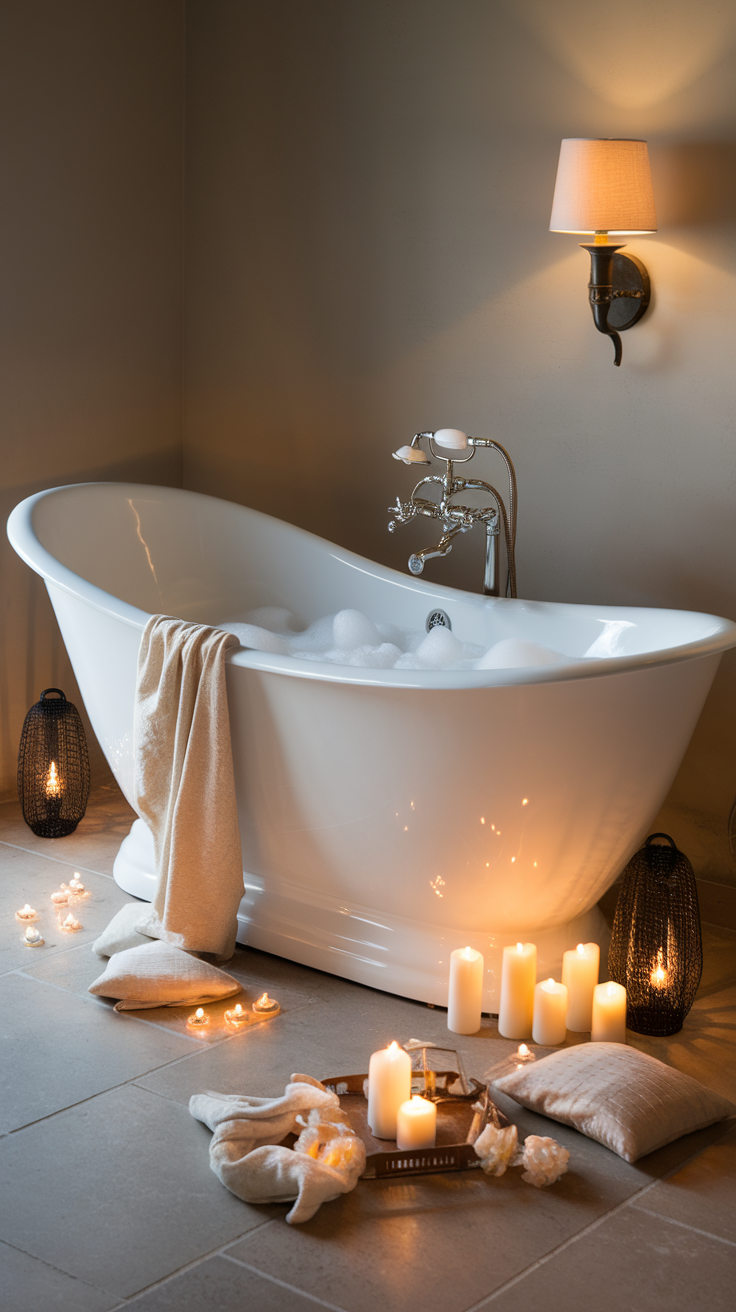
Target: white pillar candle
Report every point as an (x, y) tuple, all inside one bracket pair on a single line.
[(416, 1124), (550, 1009), (389, 1084), (466, 991), (580, 976), (516, 1002), (609, 1013)]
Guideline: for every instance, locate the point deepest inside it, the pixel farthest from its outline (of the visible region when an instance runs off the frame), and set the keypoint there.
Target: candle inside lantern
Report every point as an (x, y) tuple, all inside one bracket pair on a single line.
[(416, 1123), (198, 1020), (658, 976), (580, 976), (32, 937), (465, 992), (70, 924), (550, 1010), (52, 787), (26, 913), (266, 1006), (516, 1001), (389, 1084), (236, 1018), (609, 1013)]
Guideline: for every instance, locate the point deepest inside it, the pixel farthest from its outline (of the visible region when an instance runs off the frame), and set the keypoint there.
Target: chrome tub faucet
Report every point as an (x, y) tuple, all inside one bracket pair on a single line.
[(454, 517)]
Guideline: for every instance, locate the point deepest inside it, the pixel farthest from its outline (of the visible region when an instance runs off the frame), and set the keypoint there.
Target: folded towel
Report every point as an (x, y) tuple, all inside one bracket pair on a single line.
[(246, 1155), (184, 786)]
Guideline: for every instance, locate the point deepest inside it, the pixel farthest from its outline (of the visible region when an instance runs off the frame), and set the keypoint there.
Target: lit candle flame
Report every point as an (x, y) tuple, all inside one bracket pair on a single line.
[(581, 949), (658, 976), (523, 1050), (53, 784), (265, 1001), (199, 1013), (238, 1009), (519, 947)]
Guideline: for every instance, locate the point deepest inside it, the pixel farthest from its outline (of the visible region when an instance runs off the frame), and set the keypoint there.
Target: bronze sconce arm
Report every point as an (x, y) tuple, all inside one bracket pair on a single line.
[(618, 291)]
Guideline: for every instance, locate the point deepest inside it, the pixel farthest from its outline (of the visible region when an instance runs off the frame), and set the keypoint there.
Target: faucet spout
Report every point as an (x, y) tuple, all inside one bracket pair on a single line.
[(443, 548)]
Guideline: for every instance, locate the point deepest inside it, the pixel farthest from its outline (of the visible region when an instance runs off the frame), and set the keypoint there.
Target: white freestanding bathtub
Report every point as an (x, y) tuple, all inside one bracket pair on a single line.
[(387, 816)]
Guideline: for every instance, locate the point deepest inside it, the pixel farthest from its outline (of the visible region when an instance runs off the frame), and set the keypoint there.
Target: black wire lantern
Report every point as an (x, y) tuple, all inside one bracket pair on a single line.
[(656, 950), (53, 767)]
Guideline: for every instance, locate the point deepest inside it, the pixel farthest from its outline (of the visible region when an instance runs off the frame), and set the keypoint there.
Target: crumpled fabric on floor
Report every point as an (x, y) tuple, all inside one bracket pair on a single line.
[(247, 1156)]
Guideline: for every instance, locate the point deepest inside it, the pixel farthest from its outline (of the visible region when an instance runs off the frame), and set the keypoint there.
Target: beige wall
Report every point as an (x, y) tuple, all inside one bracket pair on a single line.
[(90, 292), (368, 194)]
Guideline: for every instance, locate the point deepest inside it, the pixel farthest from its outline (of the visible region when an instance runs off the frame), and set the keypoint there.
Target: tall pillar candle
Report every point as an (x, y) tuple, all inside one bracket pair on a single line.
[(466, 991), (550, 1010), (609, 1013), (580, 976), (516, 1002), (389, 1084)]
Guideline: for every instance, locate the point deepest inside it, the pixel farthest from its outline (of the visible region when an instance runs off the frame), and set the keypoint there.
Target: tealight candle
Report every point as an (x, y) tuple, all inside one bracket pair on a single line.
[(523, 1055), (516, 1001), (580, 976), (389, 1084), (237, 1018), (609, 1013), (550, 1009), (466, 991), (266, 1006), (416, 1123), (199, 1020), (32, 938), (60, 898), (70, 924), (77, 887), (26, 913)]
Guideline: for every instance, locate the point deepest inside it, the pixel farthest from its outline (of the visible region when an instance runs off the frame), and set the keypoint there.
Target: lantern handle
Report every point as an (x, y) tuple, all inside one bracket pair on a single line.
[(48, 690), (671, 841)]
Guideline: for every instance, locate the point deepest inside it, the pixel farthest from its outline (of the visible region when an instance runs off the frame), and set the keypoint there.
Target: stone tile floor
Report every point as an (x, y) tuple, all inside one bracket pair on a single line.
[(107, 1197)]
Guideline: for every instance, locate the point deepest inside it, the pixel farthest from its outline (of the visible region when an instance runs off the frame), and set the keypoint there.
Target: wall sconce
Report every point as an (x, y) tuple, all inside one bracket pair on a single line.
[(604, 187)]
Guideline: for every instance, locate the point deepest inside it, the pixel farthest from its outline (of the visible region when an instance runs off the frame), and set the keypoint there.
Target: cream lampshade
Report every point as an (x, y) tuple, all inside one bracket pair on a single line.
[(603, 185)]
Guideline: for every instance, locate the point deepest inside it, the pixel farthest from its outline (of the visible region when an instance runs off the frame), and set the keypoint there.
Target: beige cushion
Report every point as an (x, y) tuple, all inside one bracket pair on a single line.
[(626, 1100), (160, 975), (121, 933)]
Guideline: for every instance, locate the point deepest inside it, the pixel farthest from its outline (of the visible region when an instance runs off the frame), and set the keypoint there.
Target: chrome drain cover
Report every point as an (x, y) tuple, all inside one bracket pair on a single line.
[(440, 617)]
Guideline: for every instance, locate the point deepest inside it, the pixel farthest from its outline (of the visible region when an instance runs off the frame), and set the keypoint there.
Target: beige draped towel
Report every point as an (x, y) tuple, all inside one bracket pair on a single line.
[(184, 786)]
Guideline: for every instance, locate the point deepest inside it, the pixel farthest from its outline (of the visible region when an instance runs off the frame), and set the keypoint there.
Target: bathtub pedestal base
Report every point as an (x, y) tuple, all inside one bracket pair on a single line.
[(359, 943)]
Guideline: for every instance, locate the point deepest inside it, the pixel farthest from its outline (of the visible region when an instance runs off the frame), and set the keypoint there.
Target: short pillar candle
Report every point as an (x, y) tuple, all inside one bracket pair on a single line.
[(580, 975), (416, 1124), (550, 1010), (389, 1084), (466, 991), (609, 1013), (516, 1001)]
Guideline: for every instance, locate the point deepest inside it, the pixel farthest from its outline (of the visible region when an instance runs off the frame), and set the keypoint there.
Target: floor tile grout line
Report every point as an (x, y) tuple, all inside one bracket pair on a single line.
[(294, 1289), (43, 856), (127, 1302), (672, 1220), (560, 1248), (52, 1267)]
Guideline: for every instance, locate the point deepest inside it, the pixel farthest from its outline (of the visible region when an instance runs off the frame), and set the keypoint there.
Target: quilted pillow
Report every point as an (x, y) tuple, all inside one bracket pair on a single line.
[(160, 975), (625, 1099)]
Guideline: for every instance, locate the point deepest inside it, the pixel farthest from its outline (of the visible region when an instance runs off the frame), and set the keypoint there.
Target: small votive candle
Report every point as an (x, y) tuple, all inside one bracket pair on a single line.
[(61, 897), (77, 887), (416, 1123), (465, 992), (550, 1009), (237, 1018), (199, 1020), (70, 924), (609, 1013), (32, 938), (523, 1055), (266, 1006), (516, 999), (580, 975), (26, 914)]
